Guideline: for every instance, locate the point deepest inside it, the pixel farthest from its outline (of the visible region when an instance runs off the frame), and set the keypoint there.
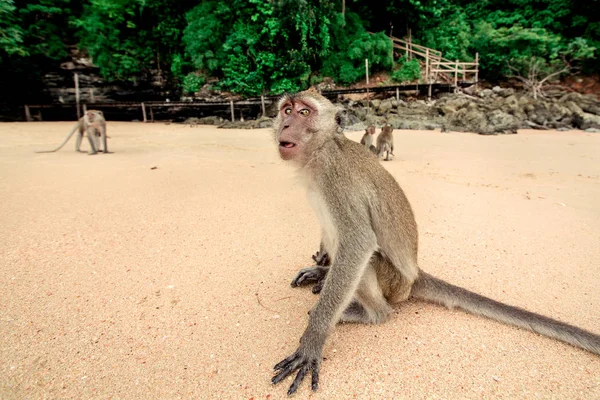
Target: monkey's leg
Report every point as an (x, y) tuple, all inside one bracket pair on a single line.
[(90, 133), (369, 305), (104, 137), (97, 142), (78, 141)]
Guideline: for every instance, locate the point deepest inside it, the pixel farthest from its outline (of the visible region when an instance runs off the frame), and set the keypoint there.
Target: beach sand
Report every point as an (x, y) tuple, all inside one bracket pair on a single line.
[(163, 271)]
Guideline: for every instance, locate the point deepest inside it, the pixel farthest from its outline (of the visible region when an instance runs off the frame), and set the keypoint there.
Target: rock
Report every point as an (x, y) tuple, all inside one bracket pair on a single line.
[(592, 130), (402, 123), (586, 121), (385, 107), (499, 121), (503, 92), (485, 93)]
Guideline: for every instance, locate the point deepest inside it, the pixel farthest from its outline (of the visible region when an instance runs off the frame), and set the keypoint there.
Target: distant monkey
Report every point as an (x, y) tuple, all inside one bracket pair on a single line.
[(369, 242), (367, 139), (385, 142), (94, 125)]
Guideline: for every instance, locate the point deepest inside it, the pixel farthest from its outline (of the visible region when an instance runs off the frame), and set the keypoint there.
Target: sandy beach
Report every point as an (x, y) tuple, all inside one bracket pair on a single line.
[(163, 271)]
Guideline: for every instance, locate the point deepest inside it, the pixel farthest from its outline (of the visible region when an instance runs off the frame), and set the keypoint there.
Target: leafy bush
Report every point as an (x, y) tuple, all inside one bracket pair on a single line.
[(407, 71), (352, 45), (193, 82)]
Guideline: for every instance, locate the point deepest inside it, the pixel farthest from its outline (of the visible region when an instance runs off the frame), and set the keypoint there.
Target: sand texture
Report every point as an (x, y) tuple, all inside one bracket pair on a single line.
[(119, 280)]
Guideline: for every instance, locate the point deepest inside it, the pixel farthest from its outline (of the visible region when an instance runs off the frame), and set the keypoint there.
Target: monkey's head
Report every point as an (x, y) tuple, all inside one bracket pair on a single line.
[(370, 130), (305, 121)]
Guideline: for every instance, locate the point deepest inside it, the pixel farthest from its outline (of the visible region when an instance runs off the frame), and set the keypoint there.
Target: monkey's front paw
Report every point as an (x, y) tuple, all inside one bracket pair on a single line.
[(298, 361), (308, 275), (321, 259), (318, 287)]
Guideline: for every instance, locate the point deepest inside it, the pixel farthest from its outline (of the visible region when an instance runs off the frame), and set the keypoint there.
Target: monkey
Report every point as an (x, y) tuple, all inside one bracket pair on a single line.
[(367, 139), (385, 142), (92, 123), (369, 241)]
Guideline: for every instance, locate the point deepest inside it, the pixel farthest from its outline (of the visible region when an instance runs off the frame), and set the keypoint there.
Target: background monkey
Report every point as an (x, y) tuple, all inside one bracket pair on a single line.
[(94, 125), (367, 139), (385, 142), (369, 240)]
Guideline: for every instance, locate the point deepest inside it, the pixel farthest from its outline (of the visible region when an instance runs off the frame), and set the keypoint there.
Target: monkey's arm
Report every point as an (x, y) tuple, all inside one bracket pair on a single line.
[(342, 280), (314, 274)]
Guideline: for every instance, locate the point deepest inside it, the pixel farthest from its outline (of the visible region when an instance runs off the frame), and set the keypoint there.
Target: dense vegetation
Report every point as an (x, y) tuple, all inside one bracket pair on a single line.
[(257, 46)]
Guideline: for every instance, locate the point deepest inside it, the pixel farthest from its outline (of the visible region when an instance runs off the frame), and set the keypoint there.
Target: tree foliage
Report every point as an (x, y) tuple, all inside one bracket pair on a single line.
[(254, 46)]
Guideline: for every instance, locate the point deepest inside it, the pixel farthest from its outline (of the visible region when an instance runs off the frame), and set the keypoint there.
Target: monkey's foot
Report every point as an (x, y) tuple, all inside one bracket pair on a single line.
[(308, 275), (304, 363), (321, 259), (109, 152), (357, 313)]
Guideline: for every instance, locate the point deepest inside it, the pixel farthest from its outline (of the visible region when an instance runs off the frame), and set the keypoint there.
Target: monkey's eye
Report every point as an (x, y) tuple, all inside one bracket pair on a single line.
[(287, 111), (304, 112)]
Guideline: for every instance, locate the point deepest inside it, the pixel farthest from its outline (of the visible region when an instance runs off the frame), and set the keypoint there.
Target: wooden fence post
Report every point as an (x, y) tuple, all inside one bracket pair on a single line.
[(144, 112), (28, 114), (76, 78), (397, 94), (455, 74), (151, 115), (232, 111), (427, 65), (367, 69), (85, 109), (262, 103), (476, 70)]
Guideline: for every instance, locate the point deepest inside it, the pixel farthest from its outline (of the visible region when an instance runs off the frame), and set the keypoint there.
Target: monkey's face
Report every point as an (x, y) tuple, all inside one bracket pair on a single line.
[(303, 124), (297, 126)]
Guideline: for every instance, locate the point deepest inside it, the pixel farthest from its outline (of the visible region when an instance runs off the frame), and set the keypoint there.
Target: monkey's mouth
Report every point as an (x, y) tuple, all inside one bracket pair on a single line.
[(287, 145)]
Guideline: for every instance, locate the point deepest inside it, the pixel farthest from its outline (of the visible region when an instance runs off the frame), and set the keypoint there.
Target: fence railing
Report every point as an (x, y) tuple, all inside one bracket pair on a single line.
[(437, 68)]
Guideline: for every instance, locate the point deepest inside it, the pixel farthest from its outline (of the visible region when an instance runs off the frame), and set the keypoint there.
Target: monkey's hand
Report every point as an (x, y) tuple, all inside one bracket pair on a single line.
[(321, 259), (304, 359), (308, 275)]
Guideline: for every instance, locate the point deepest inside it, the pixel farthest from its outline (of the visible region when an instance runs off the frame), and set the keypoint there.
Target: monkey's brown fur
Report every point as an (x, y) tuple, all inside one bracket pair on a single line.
[(367, 139), (385, 142), (370, 240), (93, 124)]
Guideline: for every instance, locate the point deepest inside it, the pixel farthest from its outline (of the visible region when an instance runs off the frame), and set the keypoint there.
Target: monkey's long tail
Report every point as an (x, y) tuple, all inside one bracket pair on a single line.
[(63, 143), (430, 288)]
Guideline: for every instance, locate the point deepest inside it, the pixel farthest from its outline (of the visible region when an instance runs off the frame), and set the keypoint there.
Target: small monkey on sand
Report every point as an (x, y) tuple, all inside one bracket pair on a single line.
[(367, 261), (385, 142), (367, 139), (94, 125)]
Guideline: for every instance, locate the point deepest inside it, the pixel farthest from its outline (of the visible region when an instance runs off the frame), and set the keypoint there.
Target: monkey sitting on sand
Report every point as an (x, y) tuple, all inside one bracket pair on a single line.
[(369, 242)]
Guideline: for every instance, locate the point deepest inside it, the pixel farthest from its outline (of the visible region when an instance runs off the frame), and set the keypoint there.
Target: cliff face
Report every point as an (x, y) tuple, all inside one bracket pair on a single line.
[(59, 86)]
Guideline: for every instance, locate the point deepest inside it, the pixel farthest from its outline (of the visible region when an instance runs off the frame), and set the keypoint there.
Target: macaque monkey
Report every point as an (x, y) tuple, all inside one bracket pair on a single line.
[(367, 139), (369, 242), (385, 142), (94, 125)]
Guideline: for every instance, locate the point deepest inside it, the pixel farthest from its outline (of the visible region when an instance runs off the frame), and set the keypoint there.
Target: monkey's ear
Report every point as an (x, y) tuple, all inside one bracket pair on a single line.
[(340, 118)]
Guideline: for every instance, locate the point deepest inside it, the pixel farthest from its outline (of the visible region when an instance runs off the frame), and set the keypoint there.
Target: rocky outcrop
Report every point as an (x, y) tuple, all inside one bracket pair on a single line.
[(487, 112)]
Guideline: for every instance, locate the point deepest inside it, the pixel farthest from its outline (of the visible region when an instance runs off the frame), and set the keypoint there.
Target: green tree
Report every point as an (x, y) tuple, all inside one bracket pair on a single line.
[(352, 45), (128, 38)]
